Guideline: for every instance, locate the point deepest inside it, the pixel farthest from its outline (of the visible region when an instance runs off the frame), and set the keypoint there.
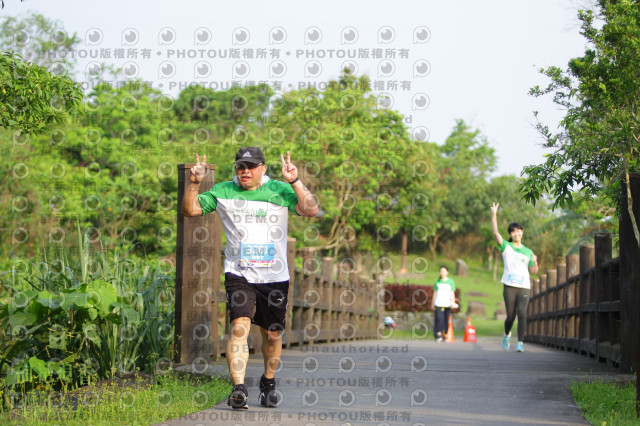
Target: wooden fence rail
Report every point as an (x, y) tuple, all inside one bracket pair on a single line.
[(576, 307), (321, 308), (328, 301), (589, 304)]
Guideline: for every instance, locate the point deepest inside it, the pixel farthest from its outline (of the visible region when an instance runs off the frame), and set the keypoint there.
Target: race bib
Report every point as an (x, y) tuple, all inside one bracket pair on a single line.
[(516, 278), (257, 255)]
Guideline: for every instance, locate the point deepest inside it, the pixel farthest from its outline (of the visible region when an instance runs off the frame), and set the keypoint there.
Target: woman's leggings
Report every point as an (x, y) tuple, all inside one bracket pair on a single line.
[(516, 301), (441, 320)]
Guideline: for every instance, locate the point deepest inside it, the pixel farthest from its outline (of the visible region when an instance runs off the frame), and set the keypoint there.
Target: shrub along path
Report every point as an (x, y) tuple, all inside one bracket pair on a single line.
[(414, 382)]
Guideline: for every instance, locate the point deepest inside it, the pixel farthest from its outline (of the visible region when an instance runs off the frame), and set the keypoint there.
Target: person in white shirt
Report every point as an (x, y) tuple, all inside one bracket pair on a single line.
[(442, 301), (518, 261)]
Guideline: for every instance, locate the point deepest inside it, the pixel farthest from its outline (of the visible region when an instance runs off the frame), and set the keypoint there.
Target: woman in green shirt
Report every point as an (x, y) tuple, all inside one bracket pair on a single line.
[(441, 302), (518, 261)]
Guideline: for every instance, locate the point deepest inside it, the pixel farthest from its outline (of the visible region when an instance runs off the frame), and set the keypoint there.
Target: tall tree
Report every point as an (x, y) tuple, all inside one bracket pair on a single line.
[(31, 97), (112, 169), (599, 137), (39, 40), (463, 167), (33, 93), (353, 155)]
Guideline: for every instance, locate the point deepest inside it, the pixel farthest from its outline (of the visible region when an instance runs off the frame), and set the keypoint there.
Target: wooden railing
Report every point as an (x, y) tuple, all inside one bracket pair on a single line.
[(589, 304), (321, 308), (328, 300), (576, 307)]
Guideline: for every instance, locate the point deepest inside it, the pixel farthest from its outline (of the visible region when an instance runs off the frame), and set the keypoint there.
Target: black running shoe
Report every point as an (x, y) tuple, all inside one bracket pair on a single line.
[(269, 397), (238, 397)]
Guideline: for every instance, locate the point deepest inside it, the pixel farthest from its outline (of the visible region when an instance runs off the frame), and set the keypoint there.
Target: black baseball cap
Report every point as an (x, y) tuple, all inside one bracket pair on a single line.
[(250, 154)]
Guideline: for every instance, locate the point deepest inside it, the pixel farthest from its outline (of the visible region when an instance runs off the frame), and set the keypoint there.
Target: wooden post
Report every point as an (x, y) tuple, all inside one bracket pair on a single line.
[(561, 304), (543, 308), (363, 304), (630, 281), (308, 311), (530, 322), (291, 254), (197, 244), (533, 297), (327, 276), (543, 289), (536, 309), (216, 270), (373, 307), (602, 243), (380, 300), (573, 263), (552, 282), (573, 268), (587, 260), (338, 286), (562, 279)]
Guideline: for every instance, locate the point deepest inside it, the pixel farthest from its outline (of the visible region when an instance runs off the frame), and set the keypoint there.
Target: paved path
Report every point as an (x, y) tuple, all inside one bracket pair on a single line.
[(413, 382)]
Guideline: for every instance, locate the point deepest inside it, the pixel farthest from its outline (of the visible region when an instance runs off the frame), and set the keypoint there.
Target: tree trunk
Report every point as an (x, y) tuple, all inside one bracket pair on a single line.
[(433, 245), (403, 252)]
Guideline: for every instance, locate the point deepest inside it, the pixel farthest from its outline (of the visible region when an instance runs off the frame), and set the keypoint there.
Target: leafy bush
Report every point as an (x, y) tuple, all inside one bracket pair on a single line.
[(64, 327)]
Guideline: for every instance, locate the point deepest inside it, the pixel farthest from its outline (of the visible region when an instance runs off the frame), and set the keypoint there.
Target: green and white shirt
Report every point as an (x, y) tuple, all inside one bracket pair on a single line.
[(516, 265), (255, 223), (444, 288)]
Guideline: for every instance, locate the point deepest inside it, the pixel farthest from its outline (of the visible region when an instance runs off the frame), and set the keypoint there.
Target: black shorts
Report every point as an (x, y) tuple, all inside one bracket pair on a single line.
[(270, 301)]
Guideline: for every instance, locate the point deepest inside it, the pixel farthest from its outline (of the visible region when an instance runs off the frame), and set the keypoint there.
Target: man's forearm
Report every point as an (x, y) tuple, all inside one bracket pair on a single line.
[(307, 204), (189, 207)]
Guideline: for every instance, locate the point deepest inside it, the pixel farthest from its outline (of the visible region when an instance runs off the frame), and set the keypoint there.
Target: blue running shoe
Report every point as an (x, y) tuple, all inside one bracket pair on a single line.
[(506, 342), (520, 347)]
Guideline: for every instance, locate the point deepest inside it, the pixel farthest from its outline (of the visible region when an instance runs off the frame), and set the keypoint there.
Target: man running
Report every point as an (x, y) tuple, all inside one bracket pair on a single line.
[(254, 212)]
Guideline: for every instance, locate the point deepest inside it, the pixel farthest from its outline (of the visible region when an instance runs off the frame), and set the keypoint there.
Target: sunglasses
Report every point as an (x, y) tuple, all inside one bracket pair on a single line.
[(246, 166)]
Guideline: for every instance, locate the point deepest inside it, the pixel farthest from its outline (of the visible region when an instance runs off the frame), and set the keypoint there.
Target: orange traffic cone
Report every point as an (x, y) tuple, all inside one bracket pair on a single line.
[(470, 332), (449, 338)]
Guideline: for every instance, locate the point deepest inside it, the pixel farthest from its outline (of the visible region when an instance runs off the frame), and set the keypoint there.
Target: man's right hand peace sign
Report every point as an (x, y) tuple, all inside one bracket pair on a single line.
[(198, 171)]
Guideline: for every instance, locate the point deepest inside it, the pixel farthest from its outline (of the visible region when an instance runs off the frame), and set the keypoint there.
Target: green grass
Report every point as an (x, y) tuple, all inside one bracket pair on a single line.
[(134, 403), (605, 404)]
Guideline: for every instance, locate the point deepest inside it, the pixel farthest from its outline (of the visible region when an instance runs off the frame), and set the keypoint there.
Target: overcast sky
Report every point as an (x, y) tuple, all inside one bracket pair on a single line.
[(434, 61)]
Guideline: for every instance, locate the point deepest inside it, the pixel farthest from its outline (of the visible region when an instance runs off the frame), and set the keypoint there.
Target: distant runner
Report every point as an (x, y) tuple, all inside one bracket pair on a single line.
[(444, 298), (518, 262)]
